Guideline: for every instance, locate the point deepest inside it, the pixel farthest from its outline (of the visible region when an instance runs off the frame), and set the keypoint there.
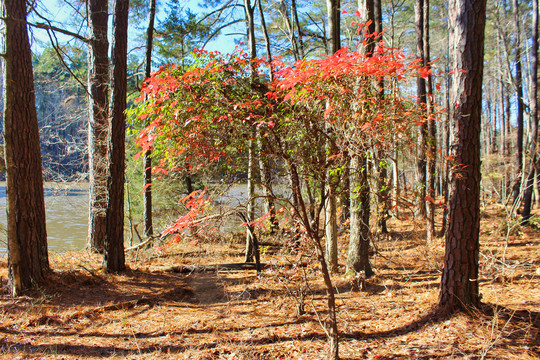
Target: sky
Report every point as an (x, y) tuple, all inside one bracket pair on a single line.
[(59, 11)]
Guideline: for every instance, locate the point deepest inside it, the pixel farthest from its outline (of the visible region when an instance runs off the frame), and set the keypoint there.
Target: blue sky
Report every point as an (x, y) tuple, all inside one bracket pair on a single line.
[(59, 12)]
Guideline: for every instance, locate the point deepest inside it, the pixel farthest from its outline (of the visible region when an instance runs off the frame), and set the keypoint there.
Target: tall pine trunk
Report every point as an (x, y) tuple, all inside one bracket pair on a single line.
[(114, 260), (27, 235), (421, 162), (147, 171), (459, 283), (98, 105)]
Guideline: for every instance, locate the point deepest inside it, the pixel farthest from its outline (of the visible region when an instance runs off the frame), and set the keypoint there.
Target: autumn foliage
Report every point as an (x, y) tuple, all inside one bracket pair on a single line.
[(208, 111)]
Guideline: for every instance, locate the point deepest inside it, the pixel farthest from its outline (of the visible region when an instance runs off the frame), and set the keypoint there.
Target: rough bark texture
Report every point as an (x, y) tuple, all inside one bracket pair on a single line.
[(358, 253), (148, 226), (114, 260), (421, 162), (27, 235), (459, 284), (98, 117)]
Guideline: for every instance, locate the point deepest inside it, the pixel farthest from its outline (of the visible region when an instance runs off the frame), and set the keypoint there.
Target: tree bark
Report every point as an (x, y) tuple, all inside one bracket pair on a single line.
[(250, 216), (459, 284), (421, 162), (431, 135), (114, 260), (250, 211), (360, 209), (383, 183), (334, 21), (333, 8), (27, 235), (519, 101), (358, 253), (445, 163), (147, 181), (98, 105)]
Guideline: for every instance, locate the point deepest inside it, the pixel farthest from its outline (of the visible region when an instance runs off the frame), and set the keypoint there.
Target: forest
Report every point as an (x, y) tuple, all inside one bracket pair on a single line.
[(272, 179)]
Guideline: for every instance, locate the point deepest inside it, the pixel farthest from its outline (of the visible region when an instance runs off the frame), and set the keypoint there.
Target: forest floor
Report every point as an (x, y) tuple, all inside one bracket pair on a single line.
[(150, 312)]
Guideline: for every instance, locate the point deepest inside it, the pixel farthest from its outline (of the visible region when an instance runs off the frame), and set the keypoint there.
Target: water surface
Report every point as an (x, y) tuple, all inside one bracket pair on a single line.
[(66, 210)]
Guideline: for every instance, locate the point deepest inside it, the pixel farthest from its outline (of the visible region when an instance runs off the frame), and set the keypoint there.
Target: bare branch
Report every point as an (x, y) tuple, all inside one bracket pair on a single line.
[(215, 33)]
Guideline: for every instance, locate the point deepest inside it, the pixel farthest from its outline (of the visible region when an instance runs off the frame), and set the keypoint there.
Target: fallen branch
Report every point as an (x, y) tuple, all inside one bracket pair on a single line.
[(140, 245), (188, 269)]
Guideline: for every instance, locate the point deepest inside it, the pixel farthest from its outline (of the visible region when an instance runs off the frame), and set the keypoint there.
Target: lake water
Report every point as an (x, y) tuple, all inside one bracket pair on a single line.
[(66, 209)]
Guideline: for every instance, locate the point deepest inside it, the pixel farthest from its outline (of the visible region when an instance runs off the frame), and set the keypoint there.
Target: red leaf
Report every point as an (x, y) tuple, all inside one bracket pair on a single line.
[(430, 199)]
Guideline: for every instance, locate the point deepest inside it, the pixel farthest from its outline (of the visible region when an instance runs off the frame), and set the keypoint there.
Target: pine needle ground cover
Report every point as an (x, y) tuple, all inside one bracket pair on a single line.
[(162, 308)]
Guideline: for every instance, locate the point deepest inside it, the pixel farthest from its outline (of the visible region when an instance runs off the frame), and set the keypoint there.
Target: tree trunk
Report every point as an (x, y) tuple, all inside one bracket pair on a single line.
[(445, 163), (27, 234), (292, 37), (333, 8), (345, 193), (147, 181), (334, 21), (360, 209), (98, 105), (300, 43), (431, 139), (534, 167), (250, 216), (358, 253), (383, 201), (519, 100), (266, 39), (266, 181), (250, 212), (459, 284), (330, 225), (113, 259), (421, 162)]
